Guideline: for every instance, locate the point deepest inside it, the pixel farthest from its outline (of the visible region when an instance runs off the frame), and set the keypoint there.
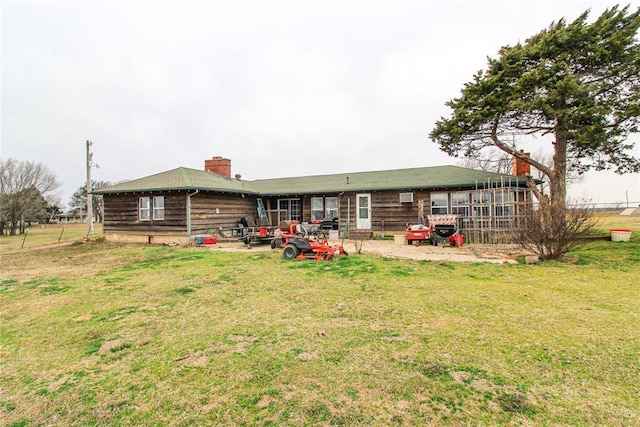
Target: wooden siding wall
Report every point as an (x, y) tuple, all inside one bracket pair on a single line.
[(385, 205), (121, 215), (121, 211), (305, 205), (205, 219)]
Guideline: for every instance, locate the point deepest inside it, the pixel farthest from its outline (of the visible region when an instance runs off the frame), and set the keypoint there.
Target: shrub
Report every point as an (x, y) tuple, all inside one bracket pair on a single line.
[(553, 230)]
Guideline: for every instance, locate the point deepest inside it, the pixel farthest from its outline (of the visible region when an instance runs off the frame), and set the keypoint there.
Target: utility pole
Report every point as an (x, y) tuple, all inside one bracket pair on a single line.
[(89, 201), (627, 195)]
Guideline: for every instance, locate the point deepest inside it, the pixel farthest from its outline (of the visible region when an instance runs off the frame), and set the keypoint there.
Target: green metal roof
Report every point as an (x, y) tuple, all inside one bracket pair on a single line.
[(179, 179), (435, 177)]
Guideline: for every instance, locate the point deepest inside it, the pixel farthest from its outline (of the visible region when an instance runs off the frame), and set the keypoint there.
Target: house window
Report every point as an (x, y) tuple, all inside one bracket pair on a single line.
[(481, 207), (317, 208), (481, 203), (439, 204), (460, 203), (504, 208), (504, 203), (324, 208), (144, 208), (288, 209), (330, 207), (158, 207)]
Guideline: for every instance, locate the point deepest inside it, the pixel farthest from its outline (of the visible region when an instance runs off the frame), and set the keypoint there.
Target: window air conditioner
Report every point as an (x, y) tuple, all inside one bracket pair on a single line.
[(406, 197)]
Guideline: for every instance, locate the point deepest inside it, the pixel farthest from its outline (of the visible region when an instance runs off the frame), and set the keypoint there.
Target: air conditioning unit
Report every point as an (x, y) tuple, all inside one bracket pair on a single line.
[(406, 197)]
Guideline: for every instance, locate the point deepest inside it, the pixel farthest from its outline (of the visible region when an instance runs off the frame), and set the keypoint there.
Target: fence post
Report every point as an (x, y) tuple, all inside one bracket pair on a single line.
[(26, 231)]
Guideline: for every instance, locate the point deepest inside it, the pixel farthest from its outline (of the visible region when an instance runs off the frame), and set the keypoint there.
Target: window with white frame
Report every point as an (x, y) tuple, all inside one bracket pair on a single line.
[(158, 208), (460, 203), (288, 209), (330, 207), (145, 210), (324, 208), (439, 204)]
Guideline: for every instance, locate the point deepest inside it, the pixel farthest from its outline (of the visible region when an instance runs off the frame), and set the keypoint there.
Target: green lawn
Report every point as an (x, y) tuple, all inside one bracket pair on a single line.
[(38, 236), (114, 334)]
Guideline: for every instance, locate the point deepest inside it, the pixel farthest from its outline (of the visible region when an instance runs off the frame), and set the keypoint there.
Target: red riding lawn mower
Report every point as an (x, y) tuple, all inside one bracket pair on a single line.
[(300, 243), (304, 248)]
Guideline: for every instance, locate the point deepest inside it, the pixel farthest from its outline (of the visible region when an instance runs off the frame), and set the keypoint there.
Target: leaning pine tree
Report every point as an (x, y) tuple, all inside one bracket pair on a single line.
[(576, 83)]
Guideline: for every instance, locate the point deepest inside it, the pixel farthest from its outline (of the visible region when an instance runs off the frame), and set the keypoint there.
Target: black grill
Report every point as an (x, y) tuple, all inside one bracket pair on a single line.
[(444, 230)]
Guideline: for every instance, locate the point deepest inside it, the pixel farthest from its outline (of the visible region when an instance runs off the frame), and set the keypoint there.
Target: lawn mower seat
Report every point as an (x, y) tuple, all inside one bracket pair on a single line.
[(300, 242)]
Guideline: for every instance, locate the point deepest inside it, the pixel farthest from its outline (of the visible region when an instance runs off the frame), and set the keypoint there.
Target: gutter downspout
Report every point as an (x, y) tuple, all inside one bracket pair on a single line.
[(345, 235), (189, 213)]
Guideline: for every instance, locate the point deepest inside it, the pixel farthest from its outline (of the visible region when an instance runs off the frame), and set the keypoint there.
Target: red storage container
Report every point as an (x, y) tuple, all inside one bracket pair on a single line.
[(209, 241), (456, 240)]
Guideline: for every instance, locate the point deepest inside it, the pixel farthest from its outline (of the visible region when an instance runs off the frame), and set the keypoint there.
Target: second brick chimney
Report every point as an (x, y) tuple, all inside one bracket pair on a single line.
[(520, 167), (218, 165)]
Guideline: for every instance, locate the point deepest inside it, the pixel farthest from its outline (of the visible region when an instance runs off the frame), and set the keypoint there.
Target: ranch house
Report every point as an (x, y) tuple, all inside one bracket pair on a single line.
[(175, 205)]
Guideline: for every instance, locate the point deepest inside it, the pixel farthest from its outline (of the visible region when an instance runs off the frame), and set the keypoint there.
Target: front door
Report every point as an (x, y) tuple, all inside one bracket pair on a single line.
[(363, 209)]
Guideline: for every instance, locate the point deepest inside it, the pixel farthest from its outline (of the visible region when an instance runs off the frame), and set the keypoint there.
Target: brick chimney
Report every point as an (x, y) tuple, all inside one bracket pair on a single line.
[(218, 165), (520, 167)]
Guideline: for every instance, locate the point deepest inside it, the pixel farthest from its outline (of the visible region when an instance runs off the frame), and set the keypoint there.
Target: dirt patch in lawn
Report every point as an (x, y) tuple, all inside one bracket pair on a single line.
[(497, 254)]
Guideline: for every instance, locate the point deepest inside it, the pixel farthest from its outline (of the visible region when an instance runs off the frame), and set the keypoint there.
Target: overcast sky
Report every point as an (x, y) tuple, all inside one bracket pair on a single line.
[(282, 88)]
